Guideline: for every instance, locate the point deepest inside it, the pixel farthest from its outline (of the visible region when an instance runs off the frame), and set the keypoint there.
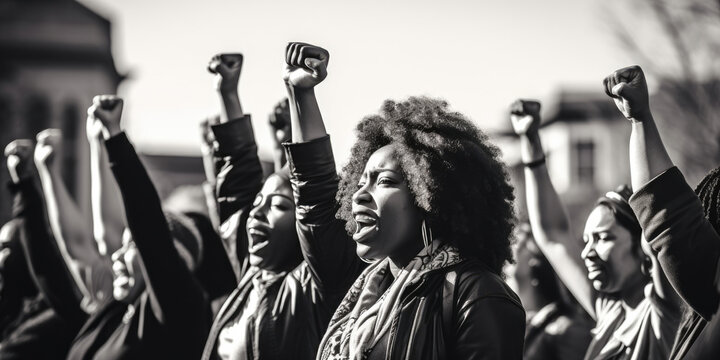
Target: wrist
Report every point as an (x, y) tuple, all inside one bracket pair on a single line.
[(111, 131)]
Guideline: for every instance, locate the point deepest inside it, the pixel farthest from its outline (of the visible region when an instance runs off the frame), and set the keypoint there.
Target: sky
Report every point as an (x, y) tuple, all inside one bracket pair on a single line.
[(477, 55)]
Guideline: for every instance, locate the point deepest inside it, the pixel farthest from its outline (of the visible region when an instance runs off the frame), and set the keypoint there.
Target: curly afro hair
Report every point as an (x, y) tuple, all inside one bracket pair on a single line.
[(453, 172)]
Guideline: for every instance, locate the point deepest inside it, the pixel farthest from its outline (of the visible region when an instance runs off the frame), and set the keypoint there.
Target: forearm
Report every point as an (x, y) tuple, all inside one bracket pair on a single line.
[(70, 228), (53, 276), (69, 236), (165, 273), (305, 118), (545, 209), (231, 108), (107, 209), (648, 156), (550, 225)]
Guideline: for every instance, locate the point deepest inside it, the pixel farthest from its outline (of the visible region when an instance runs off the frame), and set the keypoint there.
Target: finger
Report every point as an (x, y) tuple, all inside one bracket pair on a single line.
[(316, 52), (607, 86), (233, 60), (92, 110), (317, 66), (295, 58), (288, 53)]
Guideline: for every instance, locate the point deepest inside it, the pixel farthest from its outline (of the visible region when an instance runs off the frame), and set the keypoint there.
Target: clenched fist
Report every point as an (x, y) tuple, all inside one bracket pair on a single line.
[(305, 65), (48, 148), (107, 109), (279, 121), (19, 159), (629, 90), (227, 68), (525, 116)]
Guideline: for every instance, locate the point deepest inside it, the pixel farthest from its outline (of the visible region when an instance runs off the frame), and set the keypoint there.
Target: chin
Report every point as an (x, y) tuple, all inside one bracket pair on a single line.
[(367, 252)]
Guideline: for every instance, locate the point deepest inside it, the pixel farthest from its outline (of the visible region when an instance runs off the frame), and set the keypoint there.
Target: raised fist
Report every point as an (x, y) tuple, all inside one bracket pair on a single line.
[(629, 90), (48, 148), (279, 121), (19, 159), (107, 109), (305, 65), (525, 116), (227, 68)]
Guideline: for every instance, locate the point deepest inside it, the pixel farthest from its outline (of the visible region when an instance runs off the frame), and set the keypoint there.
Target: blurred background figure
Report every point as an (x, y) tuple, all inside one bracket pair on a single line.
[(555, 328)]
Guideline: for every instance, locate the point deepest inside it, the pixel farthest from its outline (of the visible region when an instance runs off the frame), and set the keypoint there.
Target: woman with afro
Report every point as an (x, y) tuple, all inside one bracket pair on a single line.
[(429, 206), (680, 225)]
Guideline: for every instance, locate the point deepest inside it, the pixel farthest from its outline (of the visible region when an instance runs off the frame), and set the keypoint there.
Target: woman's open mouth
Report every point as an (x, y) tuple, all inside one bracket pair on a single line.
[(366, 226), (258, 237)]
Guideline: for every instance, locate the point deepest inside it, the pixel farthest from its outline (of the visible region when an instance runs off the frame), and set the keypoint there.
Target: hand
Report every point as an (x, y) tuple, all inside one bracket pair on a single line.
[(19, 159), (525, 116), (629, 90), (305, 65), (227, 68), (48, 148), (107, 109), (279, 121)]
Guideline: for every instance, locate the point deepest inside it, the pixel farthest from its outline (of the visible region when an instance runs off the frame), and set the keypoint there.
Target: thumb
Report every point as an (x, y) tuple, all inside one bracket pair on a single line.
[(620, 90), (317, 66)]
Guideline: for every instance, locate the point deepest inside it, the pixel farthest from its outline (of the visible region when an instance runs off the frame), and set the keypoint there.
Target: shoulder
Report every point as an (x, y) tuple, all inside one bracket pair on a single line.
[(474, 283)]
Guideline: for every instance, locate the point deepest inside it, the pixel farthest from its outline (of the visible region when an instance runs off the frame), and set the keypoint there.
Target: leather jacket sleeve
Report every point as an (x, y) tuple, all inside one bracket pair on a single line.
[(326, 245), (238, 180), (688, 248)]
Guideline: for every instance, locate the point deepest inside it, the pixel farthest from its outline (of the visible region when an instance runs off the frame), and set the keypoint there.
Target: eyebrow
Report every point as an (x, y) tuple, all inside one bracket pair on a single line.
[(281, 195), (377, 171)]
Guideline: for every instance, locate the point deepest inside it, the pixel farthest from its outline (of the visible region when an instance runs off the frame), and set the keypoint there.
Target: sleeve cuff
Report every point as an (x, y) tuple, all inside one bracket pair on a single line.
[(115, 145), (662, 190), (232, 135), (310, 156)]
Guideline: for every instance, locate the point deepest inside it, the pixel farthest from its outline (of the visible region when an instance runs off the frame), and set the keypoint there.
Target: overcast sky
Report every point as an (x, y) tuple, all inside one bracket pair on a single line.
[(478, 55)]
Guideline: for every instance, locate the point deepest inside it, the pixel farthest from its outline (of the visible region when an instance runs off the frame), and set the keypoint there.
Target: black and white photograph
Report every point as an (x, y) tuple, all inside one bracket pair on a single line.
[(370, 180)]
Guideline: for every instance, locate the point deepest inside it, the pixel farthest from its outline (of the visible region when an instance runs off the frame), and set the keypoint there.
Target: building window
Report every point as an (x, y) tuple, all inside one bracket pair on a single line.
[(585, 161)]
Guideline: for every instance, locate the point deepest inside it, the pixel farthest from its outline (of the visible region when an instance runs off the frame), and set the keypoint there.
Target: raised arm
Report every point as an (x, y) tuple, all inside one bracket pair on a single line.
[(72, 232), (49, 271), (326, 246), (239, 177), (108, 222), (648, 160), (174, 293), (280, 133), (549, 222)]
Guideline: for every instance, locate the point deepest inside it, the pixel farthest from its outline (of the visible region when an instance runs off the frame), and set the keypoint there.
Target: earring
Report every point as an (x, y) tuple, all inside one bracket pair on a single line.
[(427, 234), (646, 266)]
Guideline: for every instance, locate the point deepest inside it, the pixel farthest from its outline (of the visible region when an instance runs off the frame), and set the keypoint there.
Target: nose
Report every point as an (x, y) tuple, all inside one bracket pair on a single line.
[(589, 249), (258, 212), (361, 195)]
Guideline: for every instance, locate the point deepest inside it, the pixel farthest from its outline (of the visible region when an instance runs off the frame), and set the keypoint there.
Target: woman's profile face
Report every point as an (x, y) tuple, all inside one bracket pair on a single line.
[(272, 238), (387, 219), (610, 257)]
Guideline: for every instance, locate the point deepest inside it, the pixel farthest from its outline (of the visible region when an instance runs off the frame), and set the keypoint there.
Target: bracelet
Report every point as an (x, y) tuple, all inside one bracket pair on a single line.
[(535, 163)]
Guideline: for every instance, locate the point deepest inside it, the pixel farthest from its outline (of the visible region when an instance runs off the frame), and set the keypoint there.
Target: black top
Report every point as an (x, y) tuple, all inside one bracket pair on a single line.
[(42, 332), (171, 318), (688, 249)]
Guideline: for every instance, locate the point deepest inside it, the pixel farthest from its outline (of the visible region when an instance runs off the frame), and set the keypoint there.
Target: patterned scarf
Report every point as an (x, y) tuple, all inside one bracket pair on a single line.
[(365, 315)]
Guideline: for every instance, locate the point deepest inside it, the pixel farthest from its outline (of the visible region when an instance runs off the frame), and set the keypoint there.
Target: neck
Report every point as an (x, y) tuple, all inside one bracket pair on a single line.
[(400, 260), (633, 294)]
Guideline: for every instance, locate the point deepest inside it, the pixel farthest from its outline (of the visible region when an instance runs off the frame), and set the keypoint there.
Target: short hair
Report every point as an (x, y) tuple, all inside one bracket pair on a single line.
[(618, 201), (452, 170)]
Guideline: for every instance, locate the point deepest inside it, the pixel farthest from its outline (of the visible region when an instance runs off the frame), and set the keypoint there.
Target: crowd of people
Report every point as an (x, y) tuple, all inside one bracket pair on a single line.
[(401, 254)]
